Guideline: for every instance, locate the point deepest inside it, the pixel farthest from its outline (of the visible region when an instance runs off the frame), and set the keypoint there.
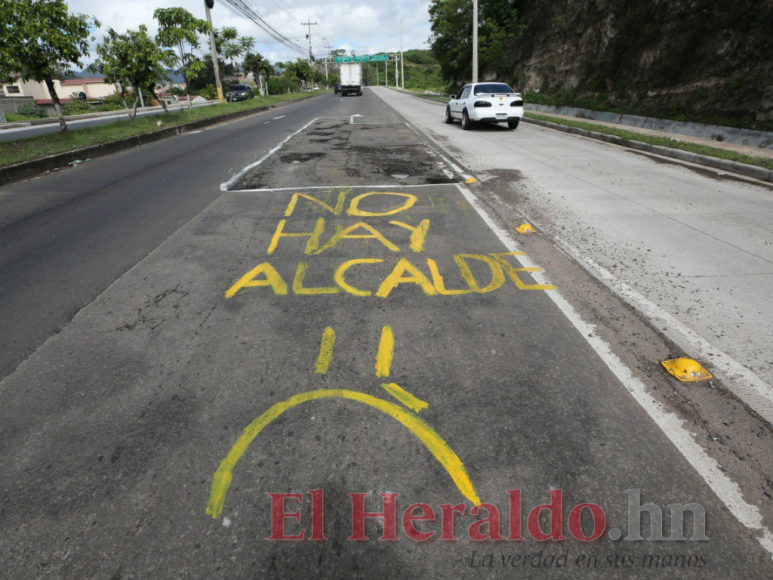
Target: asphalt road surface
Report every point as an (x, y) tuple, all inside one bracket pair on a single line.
[(312, 299), (49, 128)]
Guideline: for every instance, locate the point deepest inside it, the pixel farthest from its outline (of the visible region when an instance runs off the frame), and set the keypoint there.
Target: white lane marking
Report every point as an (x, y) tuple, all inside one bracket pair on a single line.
[(392, 186), (227, 184), (673, 427), (353, 117), (279, 117), (750, 388)]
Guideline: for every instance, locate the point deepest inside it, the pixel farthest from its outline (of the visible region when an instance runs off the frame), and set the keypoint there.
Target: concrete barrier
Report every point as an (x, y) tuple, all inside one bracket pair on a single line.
[(745, 169), (748, 137)]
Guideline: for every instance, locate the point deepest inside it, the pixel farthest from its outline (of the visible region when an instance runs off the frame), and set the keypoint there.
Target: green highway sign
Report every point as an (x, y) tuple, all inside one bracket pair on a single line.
[(363, 58)]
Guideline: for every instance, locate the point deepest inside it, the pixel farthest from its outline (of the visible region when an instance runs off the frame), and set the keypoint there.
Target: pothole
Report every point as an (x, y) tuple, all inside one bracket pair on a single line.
[(300, 157)]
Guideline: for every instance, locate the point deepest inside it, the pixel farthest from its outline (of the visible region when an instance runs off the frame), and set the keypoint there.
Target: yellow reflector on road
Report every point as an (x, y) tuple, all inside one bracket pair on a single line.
[(686, 370), (525, 229), (471, 180)]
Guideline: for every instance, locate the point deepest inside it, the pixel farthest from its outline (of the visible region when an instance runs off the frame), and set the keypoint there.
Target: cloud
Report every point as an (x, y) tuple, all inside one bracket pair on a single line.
[(367, 26)]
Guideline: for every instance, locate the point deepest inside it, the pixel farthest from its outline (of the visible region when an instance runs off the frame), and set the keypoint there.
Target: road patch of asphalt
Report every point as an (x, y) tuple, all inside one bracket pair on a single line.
[(382, 153), (27, 169)]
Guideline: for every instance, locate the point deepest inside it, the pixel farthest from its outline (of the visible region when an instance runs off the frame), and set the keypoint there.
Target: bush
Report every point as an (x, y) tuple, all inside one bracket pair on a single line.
[(209, 92), (75, 107), (277, 86), (32, 111)]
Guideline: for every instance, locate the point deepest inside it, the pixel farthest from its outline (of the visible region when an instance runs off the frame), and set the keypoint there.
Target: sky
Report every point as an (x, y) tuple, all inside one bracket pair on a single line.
[(365, 26)]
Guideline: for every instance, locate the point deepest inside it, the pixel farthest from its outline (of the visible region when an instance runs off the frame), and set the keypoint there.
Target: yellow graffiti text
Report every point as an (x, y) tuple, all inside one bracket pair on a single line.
[(403, 273), (298, 288), (418, 234), (313, 236), (272, 278), (398, 277), (346, 234), (354, 206)]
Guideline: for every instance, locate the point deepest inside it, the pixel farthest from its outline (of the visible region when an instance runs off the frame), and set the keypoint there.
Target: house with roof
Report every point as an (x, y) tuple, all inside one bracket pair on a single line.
[(94, 87)]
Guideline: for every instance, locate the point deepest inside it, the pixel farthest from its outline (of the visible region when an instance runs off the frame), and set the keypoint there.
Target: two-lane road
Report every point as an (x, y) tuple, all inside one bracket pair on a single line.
[(345, 319)]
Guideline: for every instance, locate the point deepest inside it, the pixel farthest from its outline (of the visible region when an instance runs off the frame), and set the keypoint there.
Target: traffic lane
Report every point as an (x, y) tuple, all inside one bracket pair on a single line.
[(369, 149), (37, 130), (169, 370), (213, 153), (693, 242), (66, 236)]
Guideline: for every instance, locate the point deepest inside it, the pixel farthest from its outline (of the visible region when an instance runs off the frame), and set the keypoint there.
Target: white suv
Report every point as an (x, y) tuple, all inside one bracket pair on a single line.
[(486, 103)]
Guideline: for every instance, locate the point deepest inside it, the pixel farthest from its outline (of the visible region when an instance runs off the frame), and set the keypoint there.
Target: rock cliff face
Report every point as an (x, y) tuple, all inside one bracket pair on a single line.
[(710, 56)]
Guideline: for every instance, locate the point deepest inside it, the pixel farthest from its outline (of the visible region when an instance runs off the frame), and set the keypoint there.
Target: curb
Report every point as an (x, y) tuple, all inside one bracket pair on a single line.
[(26, 169), (723, 164)]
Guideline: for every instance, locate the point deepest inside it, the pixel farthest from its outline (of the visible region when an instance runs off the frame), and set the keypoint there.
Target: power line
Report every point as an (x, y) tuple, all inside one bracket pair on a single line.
[(242, 7)]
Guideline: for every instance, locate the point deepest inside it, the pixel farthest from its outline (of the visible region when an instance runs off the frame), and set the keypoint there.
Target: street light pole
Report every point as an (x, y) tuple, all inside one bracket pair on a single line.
[(475, 41), (213, 47)]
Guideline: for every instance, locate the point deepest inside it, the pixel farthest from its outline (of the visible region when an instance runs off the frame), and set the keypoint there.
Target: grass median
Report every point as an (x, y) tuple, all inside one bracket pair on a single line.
[(12, 152), (662, 141)]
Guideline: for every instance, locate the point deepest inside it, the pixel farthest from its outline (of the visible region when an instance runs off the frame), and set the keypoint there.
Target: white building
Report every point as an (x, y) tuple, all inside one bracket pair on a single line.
[(93, 89)]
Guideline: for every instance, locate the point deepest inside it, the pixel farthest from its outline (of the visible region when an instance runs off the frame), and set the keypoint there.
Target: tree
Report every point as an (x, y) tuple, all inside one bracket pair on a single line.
[(180, 30), (300, 70), (260, 68), (452, 37), (499, 32), (41, 40), (133, 59), (247, 43), (229, 46)]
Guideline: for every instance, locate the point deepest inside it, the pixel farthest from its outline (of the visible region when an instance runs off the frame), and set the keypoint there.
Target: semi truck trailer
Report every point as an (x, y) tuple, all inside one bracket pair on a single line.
[(351, 78)]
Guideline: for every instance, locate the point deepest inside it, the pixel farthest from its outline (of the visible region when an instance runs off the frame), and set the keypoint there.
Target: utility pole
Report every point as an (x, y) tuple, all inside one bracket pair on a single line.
[(475, 41), (309, 24), (213, 47), (397, 74), (402, 60), (328, 47)]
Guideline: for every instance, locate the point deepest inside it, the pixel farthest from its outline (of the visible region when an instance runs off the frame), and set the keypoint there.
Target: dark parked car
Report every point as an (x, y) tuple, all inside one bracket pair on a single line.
[(240, 93), (337, 88)]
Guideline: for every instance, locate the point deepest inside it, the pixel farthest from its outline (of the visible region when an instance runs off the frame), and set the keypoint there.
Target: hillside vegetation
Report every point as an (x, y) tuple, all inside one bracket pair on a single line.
[(422, 72), (702, 60)]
